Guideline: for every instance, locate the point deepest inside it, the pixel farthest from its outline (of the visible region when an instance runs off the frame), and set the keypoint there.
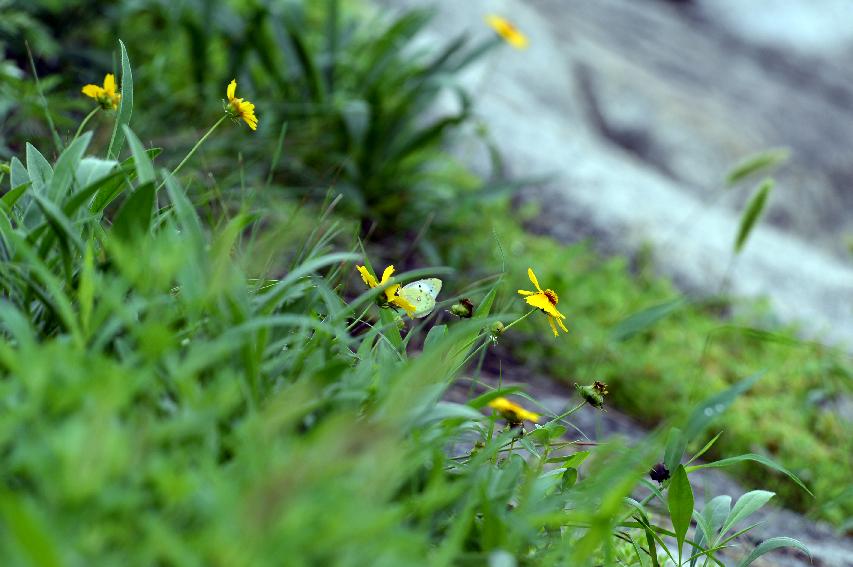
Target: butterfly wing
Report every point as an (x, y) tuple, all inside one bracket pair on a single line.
[(422, 294)]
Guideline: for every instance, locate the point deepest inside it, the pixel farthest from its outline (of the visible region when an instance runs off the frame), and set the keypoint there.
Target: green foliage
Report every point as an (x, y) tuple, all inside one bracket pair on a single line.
[(164, 402), (665, 369), (752, 213)]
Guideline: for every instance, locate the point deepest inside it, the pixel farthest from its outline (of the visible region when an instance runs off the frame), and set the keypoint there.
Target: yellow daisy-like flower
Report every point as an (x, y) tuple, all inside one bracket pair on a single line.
[(546, 300), (507, 31), (392, 296), (107, 96), (239, 108), (512, 412)]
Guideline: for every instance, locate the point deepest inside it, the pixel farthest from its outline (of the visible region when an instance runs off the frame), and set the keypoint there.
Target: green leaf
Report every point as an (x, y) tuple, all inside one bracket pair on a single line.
[(483, 400), (680, 503), (704, 449), (38, 169), (570, 477), (9, 199), (752, 213), (134, 217), (766, 461), (66, 167), (676, 444), (18, 174), (144, 167), (576, 459), (435, 335), (746, 505), (125, 106), (714, 406), (639, 322), (771, 544), (755, 163), (482, 311)]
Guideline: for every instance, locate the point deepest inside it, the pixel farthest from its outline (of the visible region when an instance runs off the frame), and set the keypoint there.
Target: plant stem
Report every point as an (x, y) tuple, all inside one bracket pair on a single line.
[(197, 145), (83, 124)]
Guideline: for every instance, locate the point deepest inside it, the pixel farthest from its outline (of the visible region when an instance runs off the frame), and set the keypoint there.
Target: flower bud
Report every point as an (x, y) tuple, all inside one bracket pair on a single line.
[(497, 328), (464, 309), (659, 473), (593, 393)]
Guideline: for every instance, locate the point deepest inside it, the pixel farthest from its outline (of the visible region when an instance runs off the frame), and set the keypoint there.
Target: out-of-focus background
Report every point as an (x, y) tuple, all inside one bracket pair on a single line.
[(680, 171)]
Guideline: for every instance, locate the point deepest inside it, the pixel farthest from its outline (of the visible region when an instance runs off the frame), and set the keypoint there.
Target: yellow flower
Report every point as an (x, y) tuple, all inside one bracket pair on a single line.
[(507, 31), (239, 108), (546, 300), (106, 96), (512, 412), (392, 296)]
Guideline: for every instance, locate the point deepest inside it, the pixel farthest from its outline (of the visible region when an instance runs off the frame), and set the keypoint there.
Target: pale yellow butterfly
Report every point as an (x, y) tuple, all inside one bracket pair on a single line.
[(421, 294)]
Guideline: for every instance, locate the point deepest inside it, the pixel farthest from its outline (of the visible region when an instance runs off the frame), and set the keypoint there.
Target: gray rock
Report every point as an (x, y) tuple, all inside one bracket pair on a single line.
[(637, 110)]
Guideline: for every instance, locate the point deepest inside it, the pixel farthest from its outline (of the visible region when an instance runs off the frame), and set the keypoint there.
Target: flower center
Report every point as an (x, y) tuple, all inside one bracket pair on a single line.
[(552, 296)]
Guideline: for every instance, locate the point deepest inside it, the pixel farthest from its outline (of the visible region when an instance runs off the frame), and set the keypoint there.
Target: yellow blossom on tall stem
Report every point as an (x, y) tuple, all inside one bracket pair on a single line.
[(107, 96), (392, 296), (507, 31), (512, 412), (239, 108), (546, 301)]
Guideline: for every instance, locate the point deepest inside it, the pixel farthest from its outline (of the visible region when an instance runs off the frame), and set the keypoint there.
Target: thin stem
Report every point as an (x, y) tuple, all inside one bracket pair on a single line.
[(519, 320), (198, 144), (83, 124)]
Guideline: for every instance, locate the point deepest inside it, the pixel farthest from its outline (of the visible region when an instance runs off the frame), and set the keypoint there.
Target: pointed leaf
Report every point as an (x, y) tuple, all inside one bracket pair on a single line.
[(680, 503), (766, 461), (771, 544), (125, 106), (746, 505), (752, 213), (639, 322)]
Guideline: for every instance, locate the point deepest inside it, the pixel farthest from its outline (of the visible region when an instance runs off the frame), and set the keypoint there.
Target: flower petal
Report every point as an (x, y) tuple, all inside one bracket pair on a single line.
[(386, 275), (560, 323), (553, 327), (525, 292), (539, 300), (231, 90), (402, 303), (110, 84), (533, 279), (93, 91), (367, 277)]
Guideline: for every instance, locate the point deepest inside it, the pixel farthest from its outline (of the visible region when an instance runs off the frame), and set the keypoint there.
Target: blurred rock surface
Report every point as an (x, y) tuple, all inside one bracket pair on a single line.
[(638, 108)]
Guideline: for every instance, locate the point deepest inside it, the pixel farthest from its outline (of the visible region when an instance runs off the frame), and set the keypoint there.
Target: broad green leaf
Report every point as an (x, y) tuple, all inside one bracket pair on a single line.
[(746, 505), (752, 213), (144, 167), (38, 169), (125, 106), (18, 174), (680, 503), (134, 217), (766, 461), (576, 459), (92, 169), (570, 477), (639, 322), (714, 406), (771, 544), (756, 163), (66, 167)]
